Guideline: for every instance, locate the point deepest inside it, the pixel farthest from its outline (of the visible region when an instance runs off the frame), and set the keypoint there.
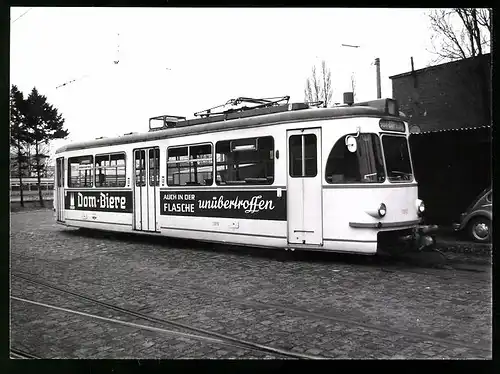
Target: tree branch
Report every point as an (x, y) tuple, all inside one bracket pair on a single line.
[(466, 40)]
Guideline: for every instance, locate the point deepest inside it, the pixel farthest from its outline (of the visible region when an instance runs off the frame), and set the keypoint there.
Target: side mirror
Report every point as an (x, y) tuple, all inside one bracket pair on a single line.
[(351, 143)]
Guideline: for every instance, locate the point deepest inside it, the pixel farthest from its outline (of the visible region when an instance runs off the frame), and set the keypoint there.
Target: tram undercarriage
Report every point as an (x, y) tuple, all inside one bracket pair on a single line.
[(415, 239)]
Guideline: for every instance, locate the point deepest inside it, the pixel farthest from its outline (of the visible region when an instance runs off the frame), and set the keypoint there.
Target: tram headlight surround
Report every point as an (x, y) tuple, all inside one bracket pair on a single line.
[(382, 210)]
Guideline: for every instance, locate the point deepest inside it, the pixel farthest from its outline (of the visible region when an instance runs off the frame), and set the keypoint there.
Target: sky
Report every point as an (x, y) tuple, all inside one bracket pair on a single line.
[(178, 61)]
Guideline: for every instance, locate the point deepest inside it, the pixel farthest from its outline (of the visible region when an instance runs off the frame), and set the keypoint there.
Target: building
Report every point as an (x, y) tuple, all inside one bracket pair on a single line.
[(449, 111), (448, 96)]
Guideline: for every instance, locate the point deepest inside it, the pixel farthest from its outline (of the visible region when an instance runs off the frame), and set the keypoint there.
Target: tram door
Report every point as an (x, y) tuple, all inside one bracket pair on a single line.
[(59, 189), (146, 185), (304, 191)]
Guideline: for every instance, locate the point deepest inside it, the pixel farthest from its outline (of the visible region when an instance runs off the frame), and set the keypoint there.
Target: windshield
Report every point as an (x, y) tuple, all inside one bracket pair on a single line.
[(397, 158), (365, 165)]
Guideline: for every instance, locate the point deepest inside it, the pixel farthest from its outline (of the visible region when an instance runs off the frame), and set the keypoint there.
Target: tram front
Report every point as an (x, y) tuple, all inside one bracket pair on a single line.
[(371, 191)]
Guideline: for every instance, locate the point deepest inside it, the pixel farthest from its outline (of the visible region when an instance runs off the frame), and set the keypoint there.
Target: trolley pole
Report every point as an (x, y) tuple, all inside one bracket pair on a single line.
[(379, 88)]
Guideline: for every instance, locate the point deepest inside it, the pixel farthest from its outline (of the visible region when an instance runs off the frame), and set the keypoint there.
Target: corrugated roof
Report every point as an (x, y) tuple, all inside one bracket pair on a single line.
[(455, 129)]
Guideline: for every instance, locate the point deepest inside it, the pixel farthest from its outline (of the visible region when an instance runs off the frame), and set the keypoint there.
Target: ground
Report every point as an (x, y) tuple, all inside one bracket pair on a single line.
[(322, 306)]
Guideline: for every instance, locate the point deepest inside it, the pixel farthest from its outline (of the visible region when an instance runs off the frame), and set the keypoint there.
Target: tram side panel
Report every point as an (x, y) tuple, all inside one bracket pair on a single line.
[(242, 214), (239, 216), (98, 207), (101, 209)]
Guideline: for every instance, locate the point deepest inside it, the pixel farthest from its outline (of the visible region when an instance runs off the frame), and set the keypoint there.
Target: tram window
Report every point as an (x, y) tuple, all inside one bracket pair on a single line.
[(80, 171), (397, 158), (110, 170), (190, 165), (303, 165), (60, 172), (245, 161), (366, 165), (154, 167), (140, 168), (295, 153), (15, 187)]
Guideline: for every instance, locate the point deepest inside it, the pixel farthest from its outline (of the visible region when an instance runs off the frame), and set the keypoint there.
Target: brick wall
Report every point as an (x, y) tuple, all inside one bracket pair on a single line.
[(451, 95)]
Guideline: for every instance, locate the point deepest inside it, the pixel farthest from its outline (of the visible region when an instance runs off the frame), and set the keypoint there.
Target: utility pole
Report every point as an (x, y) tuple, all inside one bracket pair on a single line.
[(117, 61), (353, 80), (379, 88), (377, 64)]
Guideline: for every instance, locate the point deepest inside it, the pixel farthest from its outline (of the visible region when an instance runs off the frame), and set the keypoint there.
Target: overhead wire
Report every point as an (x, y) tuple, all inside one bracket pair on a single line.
[(116, 61), (22, 15)]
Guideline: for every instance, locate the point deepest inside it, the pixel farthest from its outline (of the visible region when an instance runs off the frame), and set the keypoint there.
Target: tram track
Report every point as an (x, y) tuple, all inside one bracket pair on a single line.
[(446, 270), (400, 264), (20, 354), (207, 336), (410, 263), (387, 264), (256, 304), (386, 267)]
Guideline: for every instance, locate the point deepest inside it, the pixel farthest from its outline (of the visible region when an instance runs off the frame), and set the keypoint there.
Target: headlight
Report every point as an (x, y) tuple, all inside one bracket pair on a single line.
[(382, 210), (420, 207)]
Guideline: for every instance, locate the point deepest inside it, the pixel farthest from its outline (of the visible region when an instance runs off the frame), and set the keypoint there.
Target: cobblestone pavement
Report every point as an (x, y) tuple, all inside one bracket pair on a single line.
[(102, 339), (326, 306)]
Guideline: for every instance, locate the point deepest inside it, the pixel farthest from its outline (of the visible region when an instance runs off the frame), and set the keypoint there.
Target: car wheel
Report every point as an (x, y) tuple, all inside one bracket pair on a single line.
[(480, 229)]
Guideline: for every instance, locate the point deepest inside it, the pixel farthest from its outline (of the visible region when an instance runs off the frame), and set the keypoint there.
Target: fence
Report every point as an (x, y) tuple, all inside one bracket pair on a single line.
[(30, 189)]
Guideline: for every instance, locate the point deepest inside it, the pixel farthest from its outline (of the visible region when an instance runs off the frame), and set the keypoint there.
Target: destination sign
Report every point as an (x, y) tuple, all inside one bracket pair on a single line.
[(226, 204), (99, 201)]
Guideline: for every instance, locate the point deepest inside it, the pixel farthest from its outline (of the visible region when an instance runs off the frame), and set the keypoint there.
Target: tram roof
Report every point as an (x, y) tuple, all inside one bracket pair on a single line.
[(221, 123)]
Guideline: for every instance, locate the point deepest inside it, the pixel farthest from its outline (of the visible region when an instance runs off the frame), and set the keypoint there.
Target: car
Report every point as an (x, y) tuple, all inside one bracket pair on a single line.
[(476, 220)]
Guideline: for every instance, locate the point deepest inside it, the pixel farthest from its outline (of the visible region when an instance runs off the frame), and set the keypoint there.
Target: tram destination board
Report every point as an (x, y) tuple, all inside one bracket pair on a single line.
[(99, 201), (244, 204)]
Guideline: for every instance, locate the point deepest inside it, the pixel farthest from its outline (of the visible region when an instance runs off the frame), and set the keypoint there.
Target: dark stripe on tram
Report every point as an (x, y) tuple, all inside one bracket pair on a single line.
[(368, 185), (223, 232), (225, 188), (349, 240), (108, 223)]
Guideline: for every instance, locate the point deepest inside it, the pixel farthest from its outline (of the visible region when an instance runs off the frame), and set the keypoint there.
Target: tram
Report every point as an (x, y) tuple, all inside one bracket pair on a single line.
[(263, 173)]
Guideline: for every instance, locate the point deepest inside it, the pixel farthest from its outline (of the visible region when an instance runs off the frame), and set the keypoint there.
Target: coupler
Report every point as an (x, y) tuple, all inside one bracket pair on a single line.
[(421, 239)]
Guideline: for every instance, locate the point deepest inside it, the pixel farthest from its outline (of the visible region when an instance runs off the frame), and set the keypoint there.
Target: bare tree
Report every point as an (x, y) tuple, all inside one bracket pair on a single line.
[(319, 88), (460, 33), (39, 159), (48, 160)]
